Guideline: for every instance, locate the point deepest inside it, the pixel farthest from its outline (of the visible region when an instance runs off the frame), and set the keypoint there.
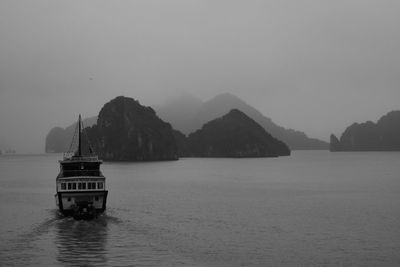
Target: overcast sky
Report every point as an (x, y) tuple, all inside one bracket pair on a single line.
[(315, 66)]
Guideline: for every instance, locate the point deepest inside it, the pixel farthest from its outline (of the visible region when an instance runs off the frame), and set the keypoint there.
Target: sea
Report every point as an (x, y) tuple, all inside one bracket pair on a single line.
[(314, 208)]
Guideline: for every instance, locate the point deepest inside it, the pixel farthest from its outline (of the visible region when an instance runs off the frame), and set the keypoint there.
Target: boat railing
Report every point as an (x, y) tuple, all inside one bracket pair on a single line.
[(79, 173), (71, 157)]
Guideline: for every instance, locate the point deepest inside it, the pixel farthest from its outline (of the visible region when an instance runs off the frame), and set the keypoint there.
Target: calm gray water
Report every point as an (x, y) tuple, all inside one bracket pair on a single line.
[(310, 209)]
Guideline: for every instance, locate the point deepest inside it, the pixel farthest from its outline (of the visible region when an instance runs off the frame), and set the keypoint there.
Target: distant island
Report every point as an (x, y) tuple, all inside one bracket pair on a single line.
[(59, 139), (234, 135), (369, 136), (187, 114)]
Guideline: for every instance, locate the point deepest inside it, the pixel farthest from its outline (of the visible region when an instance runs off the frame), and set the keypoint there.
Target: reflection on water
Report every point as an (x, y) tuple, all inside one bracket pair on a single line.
[(82, 242), (74, 243)]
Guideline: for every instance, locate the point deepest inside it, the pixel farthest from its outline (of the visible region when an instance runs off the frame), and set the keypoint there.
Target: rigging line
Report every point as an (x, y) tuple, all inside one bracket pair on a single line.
[(73, 143), (91, 151)]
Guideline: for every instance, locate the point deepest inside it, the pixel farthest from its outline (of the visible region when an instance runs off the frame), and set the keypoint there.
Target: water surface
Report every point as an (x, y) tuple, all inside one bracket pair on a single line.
[(311, 209)]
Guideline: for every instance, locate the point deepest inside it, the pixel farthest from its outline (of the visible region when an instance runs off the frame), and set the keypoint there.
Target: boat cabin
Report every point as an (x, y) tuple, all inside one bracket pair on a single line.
[(80, 174)]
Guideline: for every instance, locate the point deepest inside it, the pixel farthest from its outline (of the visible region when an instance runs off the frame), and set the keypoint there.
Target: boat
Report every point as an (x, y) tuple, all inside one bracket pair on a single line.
[(80, 185)]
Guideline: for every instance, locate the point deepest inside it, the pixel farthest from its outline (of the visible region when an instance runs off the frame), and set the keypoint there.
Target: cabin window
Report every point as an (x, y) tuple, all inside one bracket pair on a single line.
[(69, 186), (74, 186), (83, 185), (79, 185), (90, 186), (63, 186), (93, 185), (99, 185)]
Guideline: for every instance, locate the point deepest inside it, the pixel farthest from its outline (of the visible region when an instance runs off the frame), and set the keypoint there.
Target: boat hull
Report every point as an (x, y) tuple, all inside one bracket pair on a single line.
[(83, 204)]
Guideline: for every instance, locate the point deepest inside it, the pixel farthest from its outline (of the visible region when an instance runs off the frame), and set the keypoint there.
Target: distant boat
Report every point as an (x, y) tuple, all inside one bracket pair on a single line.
[(80, 185), (8, 151)]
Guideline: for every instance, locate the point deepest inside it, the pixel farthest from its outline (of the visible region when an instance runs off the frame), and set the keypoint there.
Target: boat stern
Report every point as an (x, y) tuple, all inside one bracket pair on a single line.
[(82, 205)]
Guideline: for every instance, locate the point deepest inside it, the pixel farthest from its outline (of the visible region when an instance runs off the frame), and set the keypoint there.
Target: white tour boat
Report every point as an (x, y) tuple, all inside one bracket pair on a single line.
[(80, 185)]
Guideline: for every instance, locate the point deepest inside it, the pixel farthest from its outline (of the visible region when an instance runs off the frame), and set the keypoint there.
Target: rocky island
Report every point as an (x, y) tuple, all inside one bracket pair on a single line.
[(187, 114), (233, 135), (128, 131), (369, 136)]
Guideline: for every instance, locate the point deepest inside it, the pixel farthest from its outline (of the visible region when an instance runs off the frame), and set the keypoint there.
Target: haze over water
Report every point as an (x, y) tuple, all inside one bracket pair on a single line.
[(309, 65), (310, 209)]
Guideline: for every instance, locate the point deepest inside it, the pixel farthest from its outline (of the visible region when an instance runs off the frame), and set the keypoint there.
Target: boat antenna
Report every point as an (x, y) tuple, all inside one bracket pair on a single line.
[(79, 138)]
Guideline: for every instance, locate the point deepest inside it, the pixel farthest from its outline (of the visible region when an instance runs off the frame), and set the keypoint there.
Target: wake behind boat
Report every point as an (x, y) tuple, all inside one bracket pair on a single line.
[(80, 185)]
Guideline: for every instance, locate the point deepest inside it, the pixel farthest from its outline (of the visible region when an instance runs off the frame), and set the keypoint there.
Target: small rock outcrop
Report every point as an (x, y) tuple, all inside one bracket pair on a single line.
[(233, 135), (334, 144), (128, 131), (369, 136)]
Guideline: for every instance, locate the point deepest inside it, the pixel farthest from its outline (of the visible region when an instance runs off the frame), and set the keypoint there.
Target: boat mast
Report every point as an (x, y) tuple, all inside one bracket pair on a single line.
[(79, 137)]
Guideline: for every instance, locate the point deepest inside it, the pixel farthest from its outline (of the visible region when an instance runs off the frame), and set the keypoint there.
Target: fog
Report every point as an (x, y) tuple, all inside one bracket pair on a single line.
[(315, 66)]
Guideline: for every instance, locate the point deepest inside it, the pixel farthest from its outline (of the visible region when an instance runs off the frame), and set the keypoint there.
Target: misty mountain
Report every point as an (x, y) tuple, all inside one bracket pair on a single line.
[(234, 135), (191, 119), (59, 139), (384, 135), (180, 111), (128, 131)]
